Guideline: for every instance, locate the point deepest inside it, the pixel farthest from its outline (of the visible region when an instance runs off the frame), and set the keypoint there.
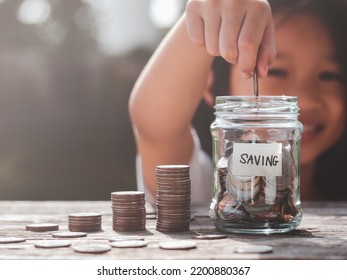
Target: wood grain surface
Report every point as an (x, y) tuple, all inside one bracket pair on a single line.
[(321, 235)]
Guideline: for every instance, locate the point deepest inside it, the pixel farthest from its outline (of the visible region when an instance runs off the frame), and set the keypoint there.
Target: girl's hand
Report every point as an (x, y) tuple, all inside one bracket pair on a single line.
[(241, 31)]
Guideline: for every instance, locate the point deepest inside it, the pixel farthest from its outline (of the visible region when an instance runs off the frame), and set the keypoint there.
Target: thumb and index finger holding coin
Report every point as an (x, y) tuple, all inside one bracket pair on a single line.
[(240, 31)]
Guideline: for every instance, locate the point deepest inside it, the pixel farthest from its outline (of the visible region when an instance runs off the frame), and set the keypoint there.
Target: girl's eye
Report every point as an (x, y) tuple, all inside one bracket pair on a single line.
[(330, 76), (277, 72)]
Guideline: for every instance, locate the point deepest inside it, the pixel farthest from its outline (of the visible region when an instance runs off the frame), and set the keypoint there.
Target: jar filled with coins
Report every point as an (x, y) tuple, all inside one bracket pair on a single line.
[(256, 155)]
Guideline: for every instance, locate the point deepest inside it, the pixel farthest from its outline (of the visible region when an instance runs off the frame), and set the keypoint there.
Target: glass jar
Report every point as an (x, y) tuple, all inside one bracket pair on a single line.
[(256, 158)]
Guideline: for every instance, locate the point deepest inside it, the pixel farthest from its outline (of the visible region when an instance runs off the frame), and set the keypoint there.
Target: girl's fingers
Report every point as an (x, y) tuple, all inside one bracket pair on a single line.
[(267, 51), (251, 36), (241, 31), (229, 33), (195, 24), (211, 32)]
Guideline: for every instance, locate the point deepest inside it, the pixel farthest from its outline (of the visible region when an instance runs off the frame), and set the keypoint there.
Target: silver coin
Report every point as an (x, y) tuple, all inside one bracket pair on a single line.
[(85, 215), (258, 206), (209, 236), (172, 167), (6, 240), (243, 182), (41, 227), (128, 193), (125, 238), (69, 234), (129, 244), (91, 248), (230, 209), (177, 245), (253, 249), (151, 216), (52, 243), (243, 188), (255, 84)]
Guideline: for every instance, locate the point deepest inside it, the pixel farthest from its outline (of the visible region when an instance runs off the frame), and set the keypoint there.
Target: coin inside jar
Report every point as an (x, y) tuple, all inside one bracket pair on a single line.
[(258, 206), (230, 209), (281, 183), (243, 188)]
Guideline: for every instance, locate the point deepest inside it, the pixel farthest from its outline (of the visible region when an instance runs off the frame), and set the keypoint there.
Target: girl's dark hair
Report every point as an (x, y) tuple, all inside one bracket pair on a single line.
[(330, 180)]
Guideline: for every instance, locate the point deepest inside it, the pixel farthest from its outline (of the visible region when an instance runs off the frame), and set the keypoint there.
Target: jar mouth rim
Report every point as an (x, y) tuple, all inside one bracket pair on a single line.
[(227, 98), (259, 105)]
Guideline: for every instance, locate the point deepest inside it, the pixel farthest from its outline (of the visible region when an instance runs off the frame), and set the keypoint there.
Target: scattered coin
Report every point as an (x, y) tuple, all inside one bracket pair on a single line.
[(51, 243), (5, 240), (254, 249), (92, 248), (69, 234), (125, 238), (209, 236), (177, 245), (42, 227), (129, 244)]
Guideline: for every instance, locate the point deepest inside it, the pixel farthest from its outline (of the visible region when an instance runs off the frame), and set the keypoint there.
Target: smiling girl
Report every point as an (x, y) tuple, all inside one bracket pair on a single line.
[(233, 38)]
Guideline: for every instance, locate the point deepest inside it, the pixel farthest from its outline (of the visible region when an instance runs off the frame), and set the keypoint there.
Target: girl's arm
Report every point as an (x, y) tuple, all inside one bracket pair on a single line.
[(170, 87)]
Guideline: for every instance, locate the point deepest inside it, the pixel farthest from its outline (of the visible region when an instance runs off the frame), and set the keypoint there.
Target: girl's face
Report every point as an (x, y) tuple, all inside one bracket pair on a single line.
[(306, 67)]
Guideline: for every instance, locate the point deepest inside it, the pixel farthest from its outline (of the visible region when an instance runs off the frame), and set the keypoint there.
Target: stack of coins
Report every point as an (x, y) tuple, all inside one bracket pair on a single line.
[(85, 222), (129, 213), (173, 198)]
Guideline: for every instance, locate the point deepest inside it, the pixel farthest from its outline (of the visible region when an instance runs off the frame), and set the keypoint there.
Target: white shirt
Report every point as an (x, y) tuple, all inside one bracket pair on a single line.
[(201, 175)]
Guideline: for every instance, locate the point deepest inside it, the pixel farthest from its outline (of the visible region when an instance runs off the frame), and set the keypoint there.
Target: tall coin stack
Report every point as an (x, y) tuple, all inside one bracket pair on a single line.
[(173, 198), (129, 213)]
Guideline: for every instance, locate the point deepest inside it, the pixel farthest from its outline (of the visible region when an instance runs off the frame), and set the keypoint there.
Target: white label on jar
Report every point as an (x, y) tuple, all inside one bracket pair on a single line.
[(256, 159)]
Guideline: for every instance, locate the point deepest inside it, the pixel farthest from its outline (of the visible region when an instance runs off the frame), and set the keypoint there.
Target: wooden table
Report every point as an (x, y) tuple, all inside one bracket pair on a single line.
[(321, 235)]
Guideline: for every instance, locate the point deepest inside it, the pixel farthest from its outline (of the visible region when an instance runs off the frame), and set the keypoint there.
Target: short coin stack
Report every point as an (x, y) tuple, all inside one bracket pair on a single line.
[(173, 198), (85, 222), (129, 213)]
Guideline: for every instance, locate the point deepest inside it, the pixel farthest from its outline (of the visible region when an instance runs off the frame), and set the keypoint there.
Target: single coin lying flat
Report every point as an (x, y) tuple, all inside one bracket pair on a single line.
[(41, 227), (209, 236), (6, 240), (129, 244), (69, 234), (254, 249), (92, 248), (51, 243), (125, 238), (177, 245)]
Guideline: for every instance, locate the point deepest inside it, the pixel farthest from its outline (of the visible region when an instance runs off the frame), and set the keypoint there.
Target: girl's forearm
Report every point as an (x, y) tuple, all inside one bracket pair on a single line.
[(171, 85)]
